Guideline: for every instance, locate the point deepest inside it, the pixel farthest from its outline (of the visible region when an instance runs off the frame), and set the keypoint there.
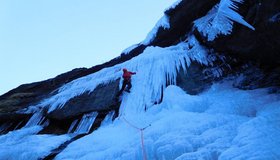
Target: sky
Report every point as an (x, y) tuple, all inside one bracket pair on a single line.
[(40, 39)]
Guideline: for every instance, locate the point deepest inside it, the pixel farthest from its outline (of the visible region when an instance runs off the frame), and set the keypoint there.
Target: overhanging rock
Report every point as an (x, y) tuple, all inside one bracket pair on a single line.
[(193, 81), (101, 99)]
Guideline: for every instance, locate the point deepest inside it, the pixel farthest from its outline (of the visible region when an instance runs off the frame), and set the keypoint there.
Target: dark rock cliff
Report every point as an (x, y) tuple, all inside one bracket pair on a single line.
[(261, 46), (103, 98)]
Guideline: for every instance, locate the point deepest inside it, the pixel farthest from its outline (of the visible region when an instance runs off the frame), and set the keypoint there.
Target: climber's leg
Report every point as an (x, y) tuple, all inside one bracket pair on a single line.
[(122, 89), (128, 86)]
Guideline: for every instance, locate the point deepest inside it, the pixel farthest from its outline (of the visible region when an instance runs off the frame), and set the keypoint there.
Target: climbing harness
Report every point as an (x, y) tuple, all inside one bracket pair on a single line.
[(142, 136)]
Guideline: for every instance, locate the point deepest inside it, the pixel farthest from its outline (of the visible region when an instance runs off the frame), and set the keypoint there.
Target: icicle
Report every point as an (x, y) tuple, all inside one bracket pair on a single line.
[(86, 123), (154, 62), (4, 127), (108, 119), (36, 119), (72, 126), (18, 125)]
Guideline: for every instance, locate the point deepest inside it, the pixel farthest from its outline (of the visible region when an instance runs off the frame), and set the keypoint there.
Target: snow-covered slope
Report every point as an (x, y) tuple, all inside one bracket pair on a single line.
[(222, 123), (25, 144)]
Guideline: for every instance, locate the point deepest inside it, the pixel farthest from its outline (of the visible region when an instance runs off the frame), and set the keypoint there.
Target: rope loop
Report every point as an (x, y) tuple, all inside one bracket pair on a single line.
[(142, 136)]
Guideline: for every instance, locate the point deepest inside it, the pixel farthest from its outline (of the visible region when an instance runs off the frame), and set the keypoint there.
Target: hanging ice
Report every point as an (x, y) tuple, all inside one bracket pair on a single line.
[(4, 127), (74, 123), (108, 119), (86, 123), (161, 64), (36, 119), (219, 20)]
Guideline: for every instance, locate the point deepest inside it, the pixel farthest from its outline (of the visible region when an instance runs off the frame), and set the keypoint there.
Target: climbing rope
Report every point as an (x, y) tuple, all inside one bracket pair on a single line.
[(142, 136)]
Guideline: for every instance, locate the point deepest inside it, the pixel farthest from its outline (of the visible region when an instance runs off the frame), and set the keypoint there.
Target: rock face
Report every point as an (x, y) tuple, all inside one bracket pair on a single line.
[(4, 117), (15, 101), (12, 103), (103, 98), (180, 19), (193, 81), (262, 45), (253, 78)]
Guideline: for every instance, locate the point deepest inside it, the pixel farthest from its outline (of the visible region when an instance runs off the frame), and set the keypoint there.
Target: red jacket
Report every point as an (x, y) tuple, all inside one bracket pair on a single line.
[(127, 74)]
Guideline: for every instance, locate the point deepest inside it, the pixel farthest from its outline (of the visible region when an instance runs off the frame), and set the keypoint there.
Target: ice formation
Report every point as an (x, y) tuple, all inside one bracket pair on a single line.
[(222, 123), (220, 19)]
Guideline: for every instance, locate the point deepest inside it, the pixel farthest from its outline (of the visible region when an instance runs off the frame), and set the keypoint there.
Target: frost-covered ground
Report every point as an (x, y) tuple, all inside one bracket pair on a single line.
[(222, 123), (24, 144)]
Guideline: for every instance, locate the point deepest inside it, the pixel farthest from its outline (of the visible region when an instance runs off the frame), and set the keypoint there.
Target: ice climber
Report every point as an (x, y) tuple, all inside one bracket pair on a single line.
[(126, 81)]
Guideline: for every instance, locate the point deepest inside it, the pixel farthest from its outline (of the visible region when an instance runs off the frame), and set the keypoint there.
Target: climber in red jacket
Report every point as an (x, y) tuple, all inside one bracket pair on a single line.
[(126, 81)]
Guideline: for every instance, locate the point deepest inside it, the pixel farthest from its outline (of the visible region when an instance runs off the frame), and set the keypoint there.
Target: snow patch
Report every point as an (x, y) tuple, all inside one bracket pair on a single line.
[(163, 22), (174, 5), (129, 49), (222, 123), (25, 144)]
